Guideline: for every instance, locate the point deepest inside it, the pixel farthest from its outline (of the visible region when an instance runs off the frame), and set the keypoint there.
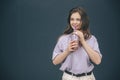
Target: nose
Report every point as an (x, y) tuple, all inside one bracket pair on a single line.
[(74, 21)]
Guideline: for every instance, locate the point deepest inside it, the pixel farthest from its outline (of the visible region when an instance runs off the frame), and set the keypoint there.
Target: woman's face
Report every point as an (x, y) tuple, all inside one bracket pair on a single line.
[(75, 21)]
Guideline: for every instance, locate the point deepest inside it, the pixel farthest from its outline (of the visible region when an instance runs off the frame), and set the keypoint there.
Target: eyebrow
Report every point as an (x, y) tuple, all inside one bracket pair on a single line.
[(75, 18)]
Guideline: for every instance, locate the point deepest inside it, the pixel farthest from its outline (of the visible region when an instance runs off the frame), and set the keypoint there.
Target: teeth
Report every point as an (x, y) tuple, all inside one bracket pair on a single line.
[(74, 27)]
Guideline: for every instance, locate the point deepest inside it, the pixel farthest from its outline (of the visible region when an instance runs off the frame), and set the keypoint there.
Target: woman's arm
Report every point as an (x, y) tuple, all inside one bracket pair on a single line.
[(72, 46), (60, 58), (94, 55)]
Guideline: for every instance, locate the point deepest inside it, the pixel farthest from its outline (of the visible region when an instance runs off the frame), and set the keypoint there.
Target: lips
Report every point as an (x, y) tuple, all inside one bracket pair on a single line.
[(75, 27)]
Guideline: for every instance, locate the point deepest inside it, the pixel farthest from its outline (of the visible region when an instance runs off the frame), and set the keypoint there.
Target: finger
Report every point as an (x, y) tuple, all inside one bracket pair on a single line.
[(72, 41), (73, 49), (74, 44), (75, 32)]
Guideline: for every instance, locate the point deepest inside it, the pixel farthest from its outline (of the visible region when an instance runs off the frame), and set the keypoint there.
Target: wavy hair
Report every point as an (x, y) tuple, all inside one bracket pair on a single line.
[(85, 22)]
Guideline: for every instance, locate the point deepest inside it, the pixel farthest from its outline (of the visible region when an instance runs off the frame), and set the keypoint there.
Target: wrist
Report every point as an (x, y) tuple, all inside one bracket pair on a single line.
[(82, 42), (67, 51)]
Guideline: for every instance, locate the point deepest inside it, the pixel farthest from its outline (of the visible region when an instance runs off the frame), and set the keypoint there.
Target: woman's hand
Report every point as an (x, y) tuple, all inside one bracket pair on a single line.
[(72, 46), (80, 35)]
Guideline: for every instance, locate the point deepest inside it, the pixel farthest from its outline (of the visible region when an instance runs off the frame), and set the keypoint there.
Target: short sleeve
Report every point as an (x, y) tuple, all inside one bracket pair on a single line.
[(96, 46), (58, 48)]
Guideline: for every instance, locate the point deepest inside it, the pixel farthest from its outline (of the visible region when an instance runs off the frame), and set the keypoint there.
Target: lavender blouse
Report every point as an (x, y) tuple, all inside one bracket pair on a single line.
[(78, 61)]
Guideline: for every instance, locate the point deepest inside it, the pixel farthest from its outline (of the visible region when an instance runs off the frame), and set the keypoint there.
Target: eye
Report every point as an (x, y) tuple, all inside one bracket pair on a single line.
[(71, 19), (78, 19)]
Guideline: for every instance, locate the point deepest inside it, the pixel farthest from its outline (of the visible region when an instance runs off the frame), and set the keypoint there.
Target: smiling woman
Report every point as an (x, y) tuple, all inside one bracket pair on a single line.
[(75, 20), (77, 56)]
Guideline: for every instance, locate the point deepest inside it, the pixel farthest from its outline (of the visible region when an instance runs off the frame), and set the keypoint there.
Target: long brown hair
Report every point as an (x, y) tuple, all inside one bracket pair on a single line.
[(85, 22)]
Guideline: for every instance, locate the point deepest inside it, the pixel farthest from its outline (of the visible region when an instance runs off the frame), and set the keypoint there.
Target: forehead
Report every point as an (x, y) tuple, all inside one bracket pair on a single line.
[(75, 15)]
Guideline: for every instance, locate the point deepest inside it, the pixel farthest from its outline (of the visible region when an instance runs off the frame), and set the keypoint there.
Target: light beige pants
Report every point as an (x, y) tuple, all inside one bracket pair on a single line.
[(70, 77)]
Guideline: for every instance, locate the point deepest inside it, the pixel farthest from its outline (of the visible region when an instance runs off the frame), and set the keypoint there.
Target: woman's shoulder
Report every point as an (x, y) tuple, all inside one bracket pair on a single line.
[(93, 37), (91, 40)]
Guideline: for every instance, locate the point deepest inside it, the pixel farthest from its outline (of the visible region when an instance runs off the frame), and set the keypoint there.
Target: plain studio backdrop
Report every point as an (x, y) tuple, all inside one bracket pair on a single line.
[(29, 30)]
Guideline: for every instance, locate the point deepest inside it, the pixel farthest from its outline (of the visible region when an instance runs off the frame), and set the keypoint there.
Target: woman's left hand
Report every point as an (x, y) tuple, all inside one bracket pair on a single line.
[(80, 35)]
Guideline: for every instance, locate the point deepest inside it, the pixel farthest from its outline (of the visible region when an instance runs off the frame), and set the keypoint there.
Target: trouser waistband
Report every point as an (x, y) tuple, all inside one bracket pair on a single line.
[(78, 75)]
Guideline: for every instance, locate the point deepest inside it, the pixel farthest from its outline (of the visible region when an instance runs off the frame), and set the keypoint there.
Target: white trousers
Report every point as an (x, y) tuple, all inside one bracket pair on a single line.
[(70, 77)]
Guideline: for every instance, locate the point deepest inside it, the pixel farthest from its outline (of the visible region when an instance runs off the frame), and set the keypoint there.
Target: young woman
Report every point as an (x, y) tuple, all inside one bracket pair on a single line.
[(77, 56)]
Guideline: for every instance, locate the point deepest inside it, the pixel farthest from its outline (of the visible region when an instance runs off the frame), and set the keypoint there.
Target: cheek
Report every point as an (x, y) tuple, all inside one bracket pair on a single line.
[(80, 24), (71, 22)]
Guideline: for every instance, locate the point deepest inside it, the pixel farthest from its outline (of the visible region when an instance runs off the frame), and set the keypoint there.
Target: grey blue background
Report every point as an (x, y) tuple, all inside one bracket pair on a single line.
[(29, 30)]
